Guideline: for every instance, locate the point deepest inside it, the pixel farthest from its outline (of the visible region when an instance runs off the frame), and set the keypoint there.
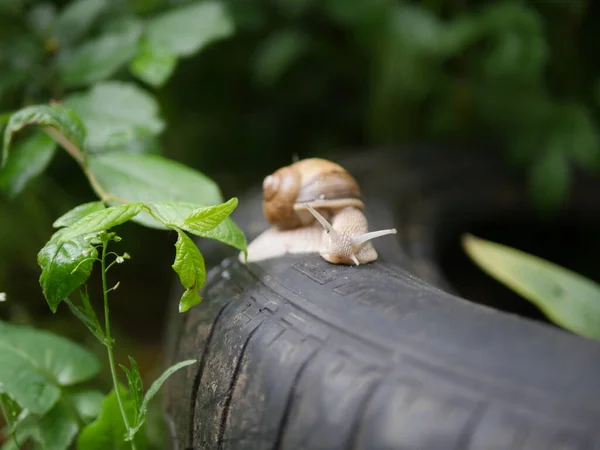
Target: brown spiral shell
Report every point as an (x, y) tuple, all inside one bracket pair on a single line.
[(323, 184)]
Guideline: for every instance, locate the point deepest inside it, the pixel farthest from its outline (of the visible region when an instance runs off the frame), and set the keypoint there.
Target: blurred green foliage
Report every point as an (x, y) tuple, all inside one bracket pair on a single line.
[(277, 78)]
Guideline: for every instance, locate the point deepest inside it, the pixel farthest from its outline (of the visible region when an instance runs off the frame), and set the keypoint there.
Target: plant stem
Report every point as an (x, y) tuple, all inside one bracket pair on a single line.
[(108, 340)]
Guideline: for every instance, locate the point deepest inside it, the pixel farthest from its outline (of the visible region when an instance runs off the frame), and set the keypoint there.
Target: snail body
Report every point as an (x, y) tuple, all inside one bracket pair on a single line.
[(315, 206)]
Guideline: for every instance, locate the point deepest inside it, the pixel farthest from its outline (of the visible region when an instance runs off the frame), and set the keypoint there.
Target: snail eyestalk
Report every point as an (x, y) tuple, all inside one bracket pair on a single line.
[(361, 239), (330, 230)]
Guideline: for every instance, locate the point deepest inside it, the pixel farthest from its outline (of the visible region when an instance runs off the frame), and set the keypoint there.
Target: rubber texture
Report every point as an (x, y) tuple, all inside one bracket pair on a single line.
[(296, 353)]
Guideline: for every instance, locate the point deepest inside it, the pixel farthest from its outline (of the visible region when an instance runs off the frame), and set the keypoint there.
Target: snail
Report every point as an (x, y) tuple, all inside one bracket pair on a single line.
[(315, 206)]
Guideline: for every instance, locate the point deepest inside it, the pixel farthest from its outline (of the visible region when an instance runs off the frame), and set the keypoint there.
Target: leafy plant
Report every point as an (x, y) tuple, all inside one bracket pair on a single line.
[(567, 298), (110, 128), (84, 235)]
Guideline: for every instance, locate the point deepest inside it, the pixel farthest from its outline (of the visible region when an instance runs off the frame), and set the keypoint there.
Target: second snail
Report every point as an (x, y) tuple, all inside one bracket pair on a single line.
[(315, 206)]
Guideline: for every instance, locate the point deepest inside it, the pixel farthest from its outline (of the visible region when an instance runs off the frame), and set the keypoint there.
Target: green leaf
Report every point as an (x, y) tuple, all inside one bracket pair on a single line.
[(33, 364), (56, 116), (12, 413), (189, 299), (102, 220), (153, 64), (87, 315), (207, 218), (24, 433), (136, 386), (151, 178), (80, 211), (87, 403), (66, 265), (116, 114), (102, 57), (58, 427), (227, 232), (565, 297), (185, 30), (175, 213), (189, 265), (28, 160), (157, 385), (277, 54), (549, 182), (108, 431), (76, 18)]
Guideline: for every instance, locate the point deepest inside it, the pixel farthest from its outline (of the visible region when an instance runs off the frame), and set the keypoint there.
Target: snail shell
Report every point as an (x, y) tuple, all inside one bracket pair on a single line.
[(320, 183)]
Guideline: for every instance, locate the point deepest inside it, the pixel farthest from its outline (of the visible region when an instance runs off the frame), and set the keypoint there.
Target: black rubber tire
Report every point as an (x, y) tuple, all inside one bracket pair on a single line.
[(296, 353)]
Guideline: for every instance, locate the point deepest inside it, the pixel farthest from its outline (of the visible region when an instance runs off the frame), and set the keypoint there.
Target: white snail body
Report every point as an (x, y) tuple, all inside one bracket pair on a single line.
[(315, 206)]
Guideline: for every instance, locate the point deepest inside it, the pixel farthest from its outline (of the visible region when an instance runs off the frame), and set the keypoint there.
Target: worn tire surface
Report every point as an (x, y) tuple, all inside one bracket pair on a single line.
[(296, 353)]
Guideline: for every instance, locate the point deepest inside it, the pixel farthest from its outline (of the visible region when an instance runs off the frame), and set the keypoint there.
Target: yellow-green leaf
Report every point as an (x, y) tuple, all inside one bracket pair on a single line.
[(565, 297)]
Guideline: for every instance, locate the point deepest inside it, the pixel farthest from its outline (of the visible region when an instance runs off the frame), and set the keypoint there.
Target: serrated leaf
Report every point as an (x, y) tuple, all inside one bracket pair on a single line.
[(57, 428), (87, 403), (136, 386), (76, 18), (56, 116), (66, 265), (175, 213), (116, 114), (207, 218), (80, 211), (189, 265), (549, 182), (33, 364), (102, 220), (100, 58), (151, 178), (153, 64), (565, 297), (27, 161), (184, 30), (157, 385), (108, 431)]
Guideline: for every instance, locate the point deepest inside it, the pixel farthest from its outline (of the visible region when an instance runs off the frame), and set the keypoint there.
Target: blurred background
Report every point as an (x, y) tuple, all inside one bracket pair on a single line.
[(304, 78)]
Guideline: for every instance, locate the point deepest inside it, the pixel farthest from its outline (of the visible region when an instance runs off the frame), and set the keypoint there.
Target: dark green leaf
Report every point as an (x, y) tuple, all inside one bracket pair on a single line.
[(102, 220), (33, 364), (207, 218), (153, 64), (58, 427), (72, 216), (567, 298), (550, 181), (66, 265), (88, 317), (102, 57), (25, 432), (108, 431), (88, 403), (76, 19), (136, 386), (11, 412), (28, 160), (175, 213), (185, 30), (151, 178), (157, 385), (189, 265), (278, 53), (56, 116), (115, 114)]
